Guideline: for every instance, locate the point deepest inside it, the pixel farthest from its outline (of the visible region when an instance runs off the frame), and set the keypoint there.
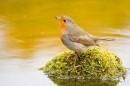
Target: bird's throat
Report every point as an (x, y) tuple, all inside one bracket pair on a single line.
[(63, 28)]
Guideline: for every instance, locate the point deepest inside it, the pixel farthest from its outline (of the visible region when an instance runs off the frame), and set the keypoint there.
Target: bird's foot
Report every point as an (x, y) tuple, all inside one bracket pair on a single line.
[(75, 62), (75, 67)]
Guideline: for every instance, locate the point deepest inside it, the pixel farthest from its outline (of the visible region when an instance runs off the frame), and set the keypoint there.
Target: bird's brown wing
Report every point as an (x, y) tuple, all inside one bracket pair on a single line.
[(87, 41)]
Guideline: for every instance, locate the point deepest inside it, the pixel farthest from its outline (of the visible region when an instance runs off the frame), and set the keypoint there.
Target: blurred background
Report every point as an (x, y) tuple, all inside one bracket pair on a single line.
[(29, 34)]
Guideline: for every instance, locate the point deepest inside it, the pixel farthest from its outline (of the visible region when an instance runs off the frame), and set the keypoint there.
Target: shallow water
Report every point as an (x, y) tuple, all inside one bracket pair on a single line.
[(29, 35)]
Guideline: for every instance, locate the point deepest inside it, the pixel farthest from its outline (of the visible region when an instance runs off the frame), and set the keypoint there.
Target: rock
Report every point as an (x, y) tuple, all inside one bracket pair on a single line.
[(95, 63)]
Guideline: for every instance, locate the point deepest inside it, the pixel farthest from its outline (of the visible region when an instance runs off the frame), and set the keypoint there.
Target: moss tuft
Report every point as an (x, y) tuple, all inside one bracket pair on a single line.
[(95, 63)]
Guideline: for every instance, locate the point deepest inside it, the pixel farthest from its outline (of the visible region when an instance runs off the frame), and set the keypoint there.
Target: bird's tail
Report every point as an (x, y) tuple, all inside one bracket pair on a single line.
[(97, 38)]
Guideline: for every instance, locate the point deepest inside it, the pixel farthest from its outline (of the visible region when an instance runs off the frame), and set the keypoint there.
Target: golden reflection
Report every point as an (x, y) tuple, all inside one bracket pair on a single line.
[(32, 20)]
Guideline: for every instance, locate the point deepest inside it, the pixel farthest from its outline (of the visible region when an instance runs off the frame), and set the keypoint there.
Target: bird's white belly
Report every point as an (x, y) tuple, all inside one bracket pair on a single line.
[(79, 47), (76, 46)]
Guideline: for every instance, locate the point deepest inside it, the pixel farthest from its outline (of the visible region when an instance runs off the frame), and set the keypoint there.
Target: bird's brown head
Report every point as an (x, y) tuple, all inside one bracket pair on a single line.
[(65, 22)]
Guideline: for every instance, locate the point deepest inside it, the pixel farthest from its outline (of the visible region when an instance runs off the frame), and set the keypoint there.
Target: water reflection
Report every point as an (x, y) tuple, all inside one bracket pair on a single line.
[(16, 45), (87, 82)]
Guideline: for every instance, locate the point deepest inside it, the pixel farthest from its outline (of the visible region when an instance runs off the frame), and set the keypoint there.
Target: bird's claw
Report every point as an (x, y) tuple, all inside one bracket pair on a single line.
[(75, 67)]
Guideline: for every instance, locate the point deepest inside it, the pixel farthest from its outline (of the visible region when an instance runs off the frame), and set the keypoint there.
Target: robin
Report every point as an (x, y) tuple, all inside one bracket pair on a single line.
[(74, 37)]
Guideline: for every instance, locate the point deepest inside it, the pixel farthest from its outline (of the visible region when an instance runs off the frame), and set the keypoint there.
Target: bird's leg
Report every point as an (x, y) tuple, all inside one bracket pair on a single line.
[(75, 60)]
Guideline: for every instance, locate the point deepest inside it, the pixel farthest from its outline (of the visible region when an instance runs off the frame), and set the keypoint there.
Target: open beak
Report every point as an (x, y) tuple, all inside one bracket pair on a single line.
[(57, 17)]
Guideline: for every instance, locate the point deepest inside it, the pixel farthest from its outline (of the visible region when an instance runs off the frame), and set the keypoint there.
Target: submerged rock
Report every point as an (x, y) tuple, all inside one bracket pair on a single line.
[(95, 63)]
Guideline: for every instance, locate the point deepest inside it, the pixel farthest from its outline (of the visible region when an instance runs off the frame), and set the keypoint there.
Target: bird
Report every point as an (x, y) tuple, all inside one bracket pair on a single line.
[(76, 38)]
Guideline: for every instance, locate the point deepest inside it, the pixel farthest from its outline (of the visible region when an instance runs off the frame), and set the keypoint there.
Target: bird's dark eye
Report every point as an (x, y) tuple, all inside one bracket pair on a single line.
[(64, 20)]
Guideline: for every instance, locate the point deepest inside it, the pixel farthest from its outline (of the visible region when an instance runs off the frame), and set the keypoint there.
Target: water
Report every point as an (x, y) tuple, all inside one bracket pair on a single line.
[(29, 35)]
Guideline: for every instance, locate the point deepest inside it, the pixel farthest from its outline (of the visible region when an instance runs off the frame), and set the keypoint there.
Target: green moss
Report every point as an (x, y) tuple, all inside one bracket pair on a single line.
[(95, 63)]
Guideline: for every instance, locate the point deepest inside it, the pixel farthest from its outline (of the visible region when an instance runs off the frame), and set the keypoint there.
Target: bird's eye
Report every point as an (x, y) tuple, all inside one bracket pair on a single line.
[(65, 20)]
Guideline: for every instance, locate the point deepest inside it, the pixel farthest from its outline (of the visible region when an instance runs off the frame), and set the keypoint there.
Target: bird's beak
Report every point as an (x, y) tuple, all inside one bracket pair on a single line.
[(57, 17)]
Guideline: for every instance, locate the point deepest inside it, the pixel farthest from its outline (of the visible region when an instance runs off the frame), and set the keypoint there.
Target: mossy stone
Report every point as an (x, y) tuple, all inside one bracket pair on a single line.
[(95, 63)]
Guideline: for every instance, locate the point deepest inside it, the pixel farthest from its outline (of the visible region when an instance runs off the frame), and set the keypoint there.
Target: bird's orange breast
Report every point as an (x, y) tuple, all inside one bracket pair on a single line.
[(63, 25), (63, 30)]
